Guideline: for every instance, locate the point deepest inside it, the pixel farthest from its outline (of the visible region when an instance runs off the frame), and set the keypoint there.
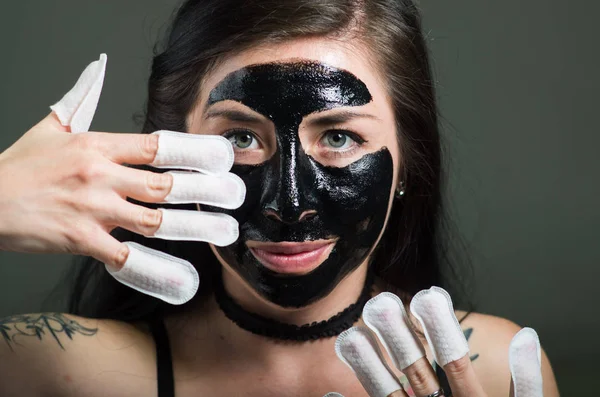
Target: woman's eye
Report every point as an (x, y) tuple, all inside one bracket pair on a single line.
[(338, 140), (242, 140)]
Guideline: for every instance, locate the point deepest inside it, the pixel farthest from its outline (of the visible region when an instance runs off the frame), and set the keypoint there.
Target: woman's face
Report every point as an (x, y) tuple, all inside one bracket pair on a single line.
[(315, 142)]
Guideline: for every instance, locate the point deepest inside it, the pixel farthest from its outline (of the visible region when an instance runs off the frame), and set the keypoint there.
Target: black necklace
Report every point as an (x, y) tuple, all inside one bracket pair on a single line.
[(260, 325)]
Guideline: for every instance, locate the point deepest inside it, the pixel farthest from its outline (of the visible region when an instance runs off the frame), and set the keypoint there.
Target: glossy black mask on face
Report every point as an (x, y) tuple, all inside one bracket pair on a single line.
[(350, 203)]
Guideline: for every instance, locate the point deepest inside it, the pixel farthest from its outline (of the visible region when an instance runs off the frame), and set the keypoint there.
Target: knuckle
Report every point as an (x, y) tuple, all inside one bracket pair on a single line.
[(419, 376), (159, 183), (86, 142), (151, 219), (458, 367), (89, 171), (149, 146), (120, 257), (78, 237)]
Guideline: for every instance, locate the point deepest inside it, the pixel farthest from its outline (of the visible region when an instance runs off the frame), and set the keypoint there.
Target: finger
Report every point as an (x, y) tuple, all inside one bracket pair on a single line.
[(211, 227), (526, 364), (358, 348), (53, 123), (168, 224), (223, 190), (176, 187), (77, 108), (398, 393), (434, 310), (122, 148), (211, 154), (157, 274), (386, 316), (104, 247)]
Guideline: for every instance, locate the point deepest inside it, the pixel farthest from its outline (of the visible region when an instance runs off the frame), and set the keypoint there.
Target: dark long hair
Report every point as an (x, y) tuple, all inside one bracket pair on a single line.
[(413, 253)]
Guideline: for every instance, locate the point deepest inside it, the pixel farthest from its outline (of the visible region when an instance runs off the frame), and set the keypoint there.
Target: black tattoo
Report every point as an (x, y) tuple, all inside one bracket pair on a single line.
[(468, 333), (38, 325)]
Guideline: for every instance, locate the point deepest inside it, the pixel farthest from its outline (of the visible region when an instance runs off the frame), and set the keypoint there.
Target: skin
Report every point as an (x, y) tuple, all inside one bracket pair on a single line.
[(292, 196), (377, 127), (211, 355)]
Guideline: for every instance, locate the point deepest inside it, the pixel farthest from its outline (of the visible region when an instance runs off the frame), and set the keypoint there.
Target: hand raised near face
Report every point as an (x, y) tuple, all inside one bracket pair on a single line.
[(63, 190), (388, 321)]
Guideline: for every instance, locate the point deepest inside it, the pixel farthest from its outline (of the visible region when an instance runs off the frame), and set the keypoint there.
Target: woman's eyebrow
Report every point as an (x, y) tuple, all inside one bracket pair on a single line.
[(233, 115), (339, 117)]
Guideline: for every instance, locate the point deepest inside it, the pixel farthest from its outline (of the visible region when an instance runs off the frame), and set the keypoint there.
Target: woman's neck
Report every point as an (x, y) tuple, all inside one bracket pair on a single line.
[(222, 338)]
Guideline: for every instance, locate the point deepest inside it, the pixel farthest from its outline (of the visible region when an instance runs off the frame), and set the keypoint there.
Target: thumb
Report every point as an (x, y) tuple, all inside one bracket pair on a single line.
[(77, 108), (52, 122), (525, 364)]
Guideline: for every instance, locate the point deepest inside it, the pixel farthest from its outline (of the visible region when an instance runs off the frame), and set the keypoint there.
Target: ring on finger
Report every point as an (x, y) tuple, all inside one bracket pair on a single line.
[(437, 393)]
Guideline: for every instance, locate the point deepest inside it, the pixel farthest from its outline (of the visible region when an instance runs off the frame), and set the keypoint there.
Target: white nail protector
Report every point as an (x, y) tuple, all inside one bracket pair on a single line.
[(78, 106), (359, 350), (433, 308), (333, 394), (211, 227), (212, 154), (386, 316), (223, 190), (526, 364), (157, 274)]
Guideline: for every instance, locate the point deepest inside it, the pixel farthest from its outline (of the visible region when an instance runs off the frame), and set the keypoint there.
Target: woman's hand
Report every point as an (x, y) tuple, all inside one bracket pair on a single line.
[(387, 319), (64, 192)]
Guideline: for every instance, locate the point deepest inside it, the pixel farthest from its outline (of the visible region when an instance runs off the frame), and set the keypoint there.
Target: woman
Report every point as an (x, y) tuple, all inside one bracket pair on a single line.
[(330, 109)]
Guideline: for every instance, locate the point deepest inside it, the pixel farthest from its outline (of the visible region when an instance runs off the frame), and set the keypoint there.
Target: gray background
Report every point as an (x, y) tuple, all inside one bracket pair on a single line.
[(518, 83)]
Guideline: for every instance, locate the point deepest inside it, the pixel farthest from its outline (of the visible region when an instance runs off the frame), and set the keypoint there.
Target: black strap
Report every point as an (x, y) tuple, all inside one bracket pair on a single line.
[(164, 364), (443, 379)]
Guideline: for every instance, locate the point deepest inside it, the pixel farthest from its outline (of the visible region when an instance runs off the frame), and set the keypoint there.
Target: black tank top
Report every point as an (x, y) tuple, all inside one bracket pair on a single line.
[(164, 364)]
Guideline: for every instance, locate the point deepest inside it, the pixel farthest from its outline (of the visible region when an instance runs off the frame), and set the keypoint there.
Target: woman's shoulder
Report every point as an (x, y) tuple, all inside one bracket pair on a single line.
[(72, 355), (489, 339), (481, 329)]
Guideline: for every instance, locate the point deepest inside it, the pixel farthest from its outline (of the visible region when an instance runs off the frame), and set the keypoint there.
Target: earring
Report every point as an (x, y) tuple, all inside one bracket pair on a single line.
[(400, 191)]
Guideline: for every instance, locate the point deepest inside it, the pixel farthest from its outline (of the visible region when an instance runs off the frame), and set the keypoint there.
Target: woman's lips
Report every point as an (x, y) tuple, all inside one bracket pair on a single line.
[(291, 258)]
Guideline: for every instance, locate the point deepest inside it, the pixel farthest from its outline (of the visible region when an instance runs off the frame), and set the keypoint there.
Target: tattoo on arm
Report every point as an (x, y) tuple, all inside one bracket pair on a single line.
[(13, 328)]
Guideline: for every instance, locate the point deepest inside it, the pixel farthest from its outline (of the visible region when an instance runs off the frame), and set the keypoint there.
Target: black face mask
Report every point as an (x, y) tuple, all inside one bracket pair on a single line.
[(351, 202)]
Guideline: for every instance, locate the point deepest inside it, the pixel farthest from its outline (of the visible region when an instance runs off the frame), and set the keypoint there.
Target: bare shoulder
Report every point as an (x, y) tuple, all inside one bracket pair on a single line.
[(489, 339), (63, 354)]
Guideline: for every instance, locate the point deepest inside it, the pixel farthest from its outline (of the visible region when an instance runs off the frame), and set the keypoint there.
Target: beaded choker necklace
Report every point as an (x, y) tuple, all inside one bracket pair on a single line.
[(260, 325)]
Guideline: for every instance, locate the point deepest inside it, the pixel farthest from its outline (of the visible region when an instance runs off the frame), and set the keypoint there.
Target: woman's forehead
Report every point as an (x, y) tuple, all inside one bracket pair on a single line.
[(287, 92), (329, 52)]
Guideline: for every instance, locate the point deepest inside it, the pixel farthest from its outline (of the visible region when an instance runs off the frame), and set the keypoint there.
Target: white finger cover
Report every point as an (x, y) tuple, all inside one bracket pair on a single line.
[(433, 308), (359, 350), (333, 394), (211, 154), (223, 190), (386, 316), (157, 274), (211, 227), (78, 106), (150, 271), (526, 364)]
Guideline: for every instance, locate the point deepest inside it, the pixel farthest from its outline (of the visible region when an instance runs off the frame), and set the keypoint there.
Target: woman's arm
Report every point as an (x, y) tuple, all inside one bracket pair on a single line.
[(55, 354)]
